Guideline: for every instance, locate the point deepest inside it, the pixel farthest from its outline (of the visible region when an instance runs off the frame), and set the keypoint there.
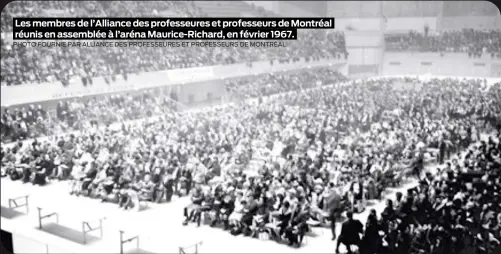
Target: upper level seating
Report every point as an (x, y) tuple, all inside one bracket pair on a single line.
[(228, 8), (22, 65), (473, 42), (273, 83)]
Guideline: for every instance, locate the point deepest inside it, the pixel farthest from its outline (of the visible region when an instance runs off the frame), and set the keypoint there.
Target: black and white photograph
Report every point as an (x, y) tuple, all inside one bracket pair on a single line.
[(187, 127)]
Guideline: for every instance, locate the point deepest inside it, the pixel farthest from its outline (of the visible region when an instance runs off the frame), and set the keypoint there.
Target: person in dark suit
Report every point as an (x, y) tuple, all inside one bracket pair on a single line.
[(418, 165), (250, 210), (333, 205), (442, 148), (350, 233), (223, 209), (371, 240), (298, 226), (169, 186)]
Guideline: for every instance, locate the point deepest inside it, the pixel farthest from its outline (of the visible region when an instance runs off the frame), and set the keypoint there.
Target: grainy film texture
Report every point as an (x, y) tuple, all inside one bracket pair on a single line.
[(369, 127)]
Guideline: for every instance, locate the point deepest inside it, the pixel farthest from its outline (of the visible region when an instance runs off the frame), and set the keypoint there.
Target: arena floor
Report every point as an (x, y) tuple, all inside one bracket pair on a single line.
[(159, 226)]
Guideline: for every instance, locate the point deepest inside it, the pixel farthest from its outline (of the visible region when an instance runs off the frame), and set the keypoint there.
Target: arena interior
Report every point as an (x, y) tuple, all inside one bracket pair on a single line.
[(380, 136)]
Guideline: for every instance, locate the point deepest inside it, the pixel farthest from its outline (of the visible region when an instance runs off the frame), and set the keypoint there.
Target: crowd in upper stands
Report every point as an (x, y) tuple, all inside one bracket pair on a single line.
[(268, 168), (21, 65), (273, 83), (473, 42)]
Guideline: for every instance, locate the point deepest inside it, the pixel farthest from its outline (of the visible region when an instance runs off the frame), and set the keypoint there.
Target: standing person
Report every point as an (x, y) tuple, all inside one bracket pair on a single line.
[(350, 233), (186, 180), (169, 186), (418, 165), (442, 151), (333, 203), (371, 240)]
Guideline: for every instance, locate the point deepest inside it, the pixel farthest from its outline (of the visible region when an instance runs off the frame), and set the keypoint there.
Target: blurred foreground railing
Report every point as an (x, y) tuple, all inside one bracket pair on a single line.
[(188, 249)]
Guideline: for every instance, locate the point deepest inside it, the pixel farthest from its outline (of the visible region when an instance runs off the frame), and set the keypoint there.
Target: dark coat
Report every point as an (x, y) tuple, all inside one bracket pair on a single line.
[(350, 232)]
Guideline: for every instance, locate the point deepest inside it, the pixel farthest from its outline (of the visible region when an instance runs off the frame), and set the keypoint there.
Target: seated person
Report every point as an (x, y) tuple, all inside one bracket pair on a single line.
[(110, 189), (12, 171), (63, 169), (38, 173), (168, 185), (24, 166), (112, 175), (317, 205), (193, 210), (238, 212), (223, 211), (57, 163), (250, 210), (3, 171), (137, 184), (89, 176), (147, 188), (298, 227), (47, 164), (207, 203), (77, 175), (95, 184), (283, 216), (128, 199), (261, 218)]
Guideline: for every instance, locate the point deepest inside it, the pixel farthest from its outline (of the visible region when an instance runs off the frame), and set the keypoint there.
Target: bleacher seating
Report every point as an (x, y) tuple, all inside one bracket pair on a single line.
[(22, 65), (475, 43)]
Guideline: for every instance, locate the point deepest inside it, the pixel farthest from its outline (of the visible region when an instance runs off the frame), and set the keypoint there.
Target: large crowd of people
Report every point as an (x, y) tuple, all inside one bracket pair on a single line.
[(272, 167), (283, 201), (473, 42), (299, 151), (281, 82), (454, 210), (21, 65), (20, 123)]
